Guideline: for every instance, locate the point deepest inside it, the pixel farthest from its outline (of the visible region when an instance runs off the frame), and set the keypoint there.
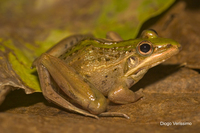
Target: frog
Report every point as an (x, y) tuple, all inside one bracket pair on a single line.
[(85, 74)]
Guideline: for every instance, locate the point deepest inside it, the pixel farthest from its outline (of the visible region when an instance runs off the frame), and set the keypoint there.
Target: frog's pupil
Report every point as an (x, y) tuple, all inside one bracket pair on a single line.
[(145, 48)]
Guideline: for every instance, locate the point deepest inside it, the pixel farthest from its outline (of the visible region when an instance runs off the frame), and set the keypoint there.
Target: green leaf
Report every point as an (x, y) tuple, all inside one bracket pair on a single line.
[(127, 16)]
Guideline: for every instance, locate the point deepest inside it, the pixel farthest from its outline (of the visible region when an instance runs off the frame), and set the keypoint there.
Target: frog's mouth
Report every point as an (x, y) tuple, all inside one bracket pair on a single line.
[(157, 57)]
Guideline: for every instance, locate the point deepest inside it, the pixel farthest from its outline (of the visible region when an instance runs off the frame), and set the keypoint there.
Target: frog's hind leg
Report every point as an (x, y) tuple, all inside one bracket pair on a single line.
[(73, 84), (52, 96), (113, 36)]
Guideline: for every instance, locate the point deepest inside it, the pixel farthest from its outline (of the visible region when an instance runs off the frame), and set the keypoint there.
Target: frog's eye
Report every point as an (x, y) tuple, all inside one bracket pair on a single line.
[(145, 48)]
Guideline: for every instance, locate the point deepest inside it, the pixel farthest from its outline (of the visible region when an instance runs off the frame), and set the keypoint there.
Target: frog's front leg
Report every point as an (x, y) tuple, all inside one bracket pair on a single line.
[(121, 94), (72, 84)]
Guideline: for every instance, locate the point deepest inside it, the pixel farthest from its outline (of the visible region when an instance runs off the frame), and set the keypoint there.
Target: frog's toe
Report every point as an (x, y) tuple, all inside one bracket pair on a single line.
[(140, 93), (114, 114)]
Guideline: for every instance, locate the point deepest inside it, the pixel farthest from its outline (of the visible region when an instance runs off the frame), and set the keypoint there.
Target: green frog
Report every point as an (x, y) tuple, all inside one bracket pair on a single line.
[(83, 73)]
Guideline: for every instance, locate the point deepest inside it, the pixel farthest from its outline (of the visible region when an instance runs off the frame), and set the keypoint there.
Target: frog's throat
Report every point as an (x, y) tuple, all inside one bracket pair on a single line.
[(153, 60)]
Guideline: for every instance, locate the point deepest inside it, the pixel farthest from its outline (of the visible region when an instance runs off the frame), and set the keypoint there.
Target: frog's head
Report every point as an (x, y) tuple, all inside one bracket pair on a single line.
[(151, 50)]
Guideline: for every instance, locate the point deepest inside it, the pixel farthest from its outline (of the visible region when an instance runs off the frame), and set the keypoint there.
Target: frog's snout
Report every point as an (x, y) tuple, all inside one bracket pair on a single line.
[(179, 47)]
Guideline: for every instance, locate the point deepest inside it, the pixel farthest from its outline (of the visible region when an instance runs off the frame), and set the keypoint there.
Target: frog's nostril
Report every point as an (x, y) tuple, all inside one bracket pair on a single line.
[(168, 45)]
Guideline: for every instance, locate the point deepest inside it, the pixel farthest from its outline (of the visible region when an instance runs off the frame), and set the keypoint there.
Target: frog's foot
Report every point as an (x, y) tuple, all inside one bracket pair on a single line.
[(114, 114), (140, 93)]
